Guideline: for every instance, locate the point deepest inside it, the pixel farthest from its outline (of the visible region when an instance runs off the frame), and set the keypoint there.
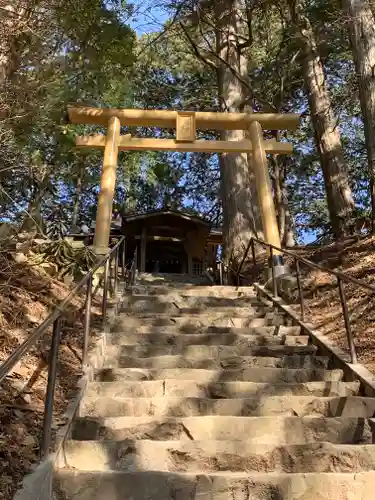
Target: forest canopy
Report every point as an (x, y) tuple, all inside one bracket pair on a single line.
[(313, 58)]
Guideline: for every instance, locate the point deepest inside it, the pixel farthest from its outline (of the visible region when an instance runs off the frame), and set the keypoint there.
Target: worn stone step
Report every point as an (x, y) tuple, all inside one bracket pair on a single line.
[(195, 291), (256, 406), (212, 456), (208, 339), (114, 354), (252, 374), (149, 306), (277, 430), (115, 335), (214, 486), (198, 321), (219, 390), (192, 301), (178, 309), (218, 360)]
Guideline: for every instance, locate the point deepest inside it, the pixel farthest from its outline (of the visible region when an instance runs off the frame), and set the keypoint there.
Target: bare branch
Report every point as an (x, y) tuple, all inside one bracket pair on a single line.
[(195, 48)]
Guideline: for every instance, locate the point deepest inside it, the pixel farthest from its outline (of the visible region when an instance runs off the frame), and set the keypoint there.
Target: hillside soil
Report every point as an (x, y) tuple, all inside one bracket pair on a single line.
[(355, 257), (27, 295)]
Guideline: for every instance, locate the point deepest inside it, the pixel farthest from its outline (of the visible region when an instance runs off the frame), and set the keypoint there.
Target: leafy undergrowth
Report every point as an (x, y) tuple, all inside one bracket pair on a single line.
[(27, 295)]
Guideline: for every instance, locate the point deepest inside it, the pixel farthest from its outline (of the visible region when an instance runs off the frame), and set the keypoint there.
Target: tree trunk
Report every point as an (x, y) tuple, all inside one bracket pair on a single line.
[(77, 200), (284, 217), (327, 135), (361, 26), (240, 205), (15, 20), (34, 221), (289, 237)]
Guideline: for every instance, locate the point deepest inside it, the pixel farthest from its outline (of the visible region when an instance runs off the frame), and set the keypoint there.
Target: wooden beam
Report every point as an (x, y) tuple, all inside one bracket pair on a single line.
[(143, 250), (167, 119), (185, 126), (107, 187), (263, 186), (270, 146)]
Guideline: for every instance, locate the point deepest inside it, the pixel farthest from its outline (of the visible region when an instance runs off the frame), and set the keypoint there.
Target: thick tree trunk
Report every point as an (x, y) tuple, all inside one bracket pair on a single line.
[(240, 204), (77, 200), (15, 19), (327, 135), (284, 217), (361, 26)]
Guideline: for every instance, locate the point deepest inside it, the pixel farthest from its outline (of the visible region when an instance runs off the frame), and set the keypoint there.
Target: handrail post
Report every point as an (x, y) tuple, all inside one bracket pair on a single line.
[(253, 252), (300, 291), (274, 282), (105, 290), (243, 259), (221, 273), (123, 256), (115, 286), (349, 333), (51, 384), (86, 330)]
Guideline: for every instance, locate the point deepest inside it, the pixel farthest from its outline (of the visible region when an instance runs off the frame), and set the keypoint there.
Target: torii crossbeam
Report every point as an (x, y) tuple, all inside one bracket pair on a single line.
[(185, 123)]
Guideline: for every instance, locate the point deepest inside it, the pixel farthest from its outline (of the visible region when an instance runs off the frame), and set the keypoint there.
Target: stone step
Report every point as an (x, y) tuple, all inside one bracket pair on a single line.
[(195, 291), (212, 456), (214, 486), (299, 406), (219, 390), (198, 321), (192, 301), (179, 278), (276, 430), (178, 307), (115, 336), (259, 375), (175, 309), (114, 354), (207, 339), (218, 360)]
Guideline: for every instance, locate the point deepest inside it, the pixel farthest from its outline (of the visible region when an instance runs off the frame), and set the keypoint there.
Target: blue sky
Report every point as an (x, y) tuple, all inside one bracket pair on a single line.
[(147, 18)]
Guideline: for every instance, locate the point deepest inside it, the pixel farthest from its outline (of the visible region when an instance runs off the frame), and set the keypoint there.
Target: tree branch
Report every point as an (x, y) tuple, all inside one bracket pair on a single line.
[(195, 48)]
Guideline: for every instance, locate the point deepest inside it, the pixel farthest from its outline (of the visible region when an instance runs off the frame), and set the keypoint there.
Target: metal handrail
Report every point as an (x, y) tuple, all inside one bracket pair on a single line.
[(55, 319), (341, 279), (309, 263)]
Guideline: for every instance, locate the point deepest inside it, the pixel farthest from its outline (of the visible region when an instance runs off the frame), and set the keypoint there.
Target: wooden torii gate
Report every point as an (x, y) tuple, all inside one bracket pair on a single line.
[(186, 123)]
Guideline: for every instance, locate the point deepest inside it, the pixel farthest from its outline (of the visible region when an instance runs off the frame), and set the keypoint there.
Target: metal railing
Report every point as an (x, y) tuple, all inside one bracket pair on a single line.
[(341, 278), (54, 320)]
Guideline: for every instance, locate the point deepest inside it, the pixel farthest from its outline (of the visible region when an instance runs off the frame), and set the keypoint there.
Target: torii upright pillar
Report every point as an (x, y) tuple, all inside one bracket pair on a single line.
[(185, 124), (107, 187), (264, 189)]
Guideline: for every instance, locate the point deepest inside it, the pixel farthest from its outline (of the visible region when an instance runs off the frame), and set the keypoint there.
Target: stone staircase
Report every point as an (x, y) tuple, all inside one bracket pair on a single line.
[(208, 393)]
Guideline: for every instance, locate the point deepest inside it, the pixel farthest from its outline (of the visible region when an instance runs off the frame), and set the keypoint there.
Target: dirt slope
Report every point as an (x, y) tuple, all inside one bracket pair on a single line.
[(27, 294), (323, 307)]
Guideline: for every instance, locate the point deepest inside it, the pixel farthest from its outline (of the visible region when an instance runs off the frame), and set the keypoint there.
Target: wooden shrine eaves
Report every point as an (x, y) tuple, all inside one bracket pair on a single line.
[(167, 119), (135, 144)]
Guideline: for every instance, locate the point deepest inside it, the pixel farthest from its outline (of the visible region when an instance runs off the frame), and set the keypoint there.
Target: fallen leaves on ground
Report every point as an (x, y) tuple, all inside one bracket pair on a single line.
[(27, 295)]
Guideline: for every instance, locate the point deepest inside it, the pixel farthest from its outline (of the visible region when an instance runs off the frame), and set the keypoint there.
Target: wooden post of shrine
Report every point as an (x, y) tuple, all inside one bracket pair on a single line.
[(143, 250), (264, 189), (185, 124), (107, 187)]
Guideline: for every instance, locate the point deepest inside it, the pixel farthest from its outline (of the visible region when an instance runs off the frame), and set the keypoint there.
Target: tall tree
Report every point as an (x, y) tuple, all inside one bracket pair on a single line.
[(217, 34), (361, 25), (238, 194), (327, 134)]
